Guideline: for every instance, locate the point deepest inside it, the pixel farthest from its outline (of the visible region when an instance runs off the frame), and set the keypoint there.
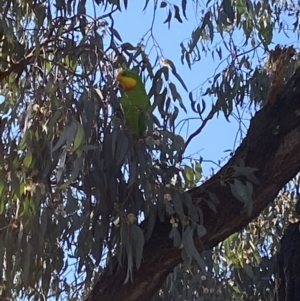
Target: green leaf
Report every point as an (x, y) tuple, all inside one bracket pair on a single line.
[(180, 80), (81, 10), (189, 246), (72, 204), (115, 33), (177, 201), (97, 246), (189, 174), (175, 235), (192, 209), (146, 4), (132, 171), (138, 244), (211, 29), (79, 137), (70, 63), (168, 19), (213, 197), (89, 108), (246, 171), (183, 6), (163, 4), (99, 42), (249, 271), (228, 9), (151, 219), (211, 205), (243, 193), (27, 138), (158, 85), (128, 46), (61, 164), (2, 251), (177, 96), (237, 289), (188, 59), (63, 137), (239, 190), (198, 171), (27, 261), (177, 13), (173, 117), (169, 63), (159, 102), (169, 208), (2, 199), (27, 159), (201, 231), (77, 167), (122, 149), (249, 204)]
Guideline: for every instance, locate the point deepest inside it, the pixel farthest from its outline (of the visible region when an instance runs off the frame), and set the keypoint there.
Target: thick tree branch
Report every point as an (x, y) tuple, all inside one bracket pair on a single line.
[(273, 146)]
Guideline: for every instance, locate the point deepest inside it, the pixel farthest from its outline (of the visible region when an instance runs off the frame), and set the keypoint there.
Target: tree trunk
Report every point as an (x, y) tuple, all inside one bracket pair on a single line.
[(287, 276), (272, 145)]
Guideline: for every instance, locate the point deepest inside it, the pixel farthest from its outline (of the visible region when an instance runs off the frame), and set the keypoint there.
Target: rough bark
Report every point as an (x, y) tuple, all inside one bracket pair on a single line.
[(287, 275), (272, 145)]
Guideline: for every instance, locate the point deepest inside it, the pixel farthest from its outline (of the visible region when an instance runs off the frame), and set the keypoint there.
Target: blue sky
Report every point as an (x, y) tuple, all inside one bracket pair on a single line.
[(219, 135), (132, 24)]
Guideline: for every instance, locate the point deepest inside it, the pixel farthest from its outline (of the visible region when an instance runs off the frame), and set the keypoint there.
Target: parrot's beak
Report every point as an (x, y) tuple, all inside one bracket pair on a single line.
[(118, 76), (127, 83)]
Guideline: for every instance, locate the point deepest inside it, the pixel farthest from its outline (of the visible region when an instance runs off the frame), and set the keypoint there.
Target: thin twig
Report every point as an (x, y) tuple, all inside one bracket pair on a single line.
[(199, 130)]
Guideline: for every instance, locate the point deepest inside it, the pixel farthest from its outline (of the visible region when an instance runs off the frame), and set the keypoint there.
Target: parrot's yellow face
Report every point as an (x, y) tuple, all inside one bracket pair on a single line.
[(124, 78)]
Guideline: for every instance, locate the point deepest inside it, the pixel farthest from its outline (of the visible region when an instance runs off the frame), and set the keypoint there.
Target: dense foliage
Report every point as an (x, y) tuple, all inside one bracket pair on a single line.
[(75, 184)]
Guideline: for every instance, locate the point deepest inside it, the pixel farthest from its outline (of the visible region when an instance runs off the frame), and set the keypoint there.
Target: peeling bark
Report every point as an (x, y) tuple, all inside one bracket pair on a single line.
[(272, 145)]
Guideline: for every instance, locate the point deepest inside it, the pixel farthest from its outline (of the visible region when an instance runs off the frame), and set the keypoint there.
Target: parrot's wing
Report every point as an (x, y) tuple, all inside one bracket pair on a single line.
[(133, 122)]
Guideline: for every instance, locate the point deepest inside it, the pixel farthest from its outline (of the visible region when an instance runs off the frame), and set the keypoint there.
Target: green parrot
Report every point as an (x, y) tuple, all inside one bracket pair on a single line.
[(134, 101)]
